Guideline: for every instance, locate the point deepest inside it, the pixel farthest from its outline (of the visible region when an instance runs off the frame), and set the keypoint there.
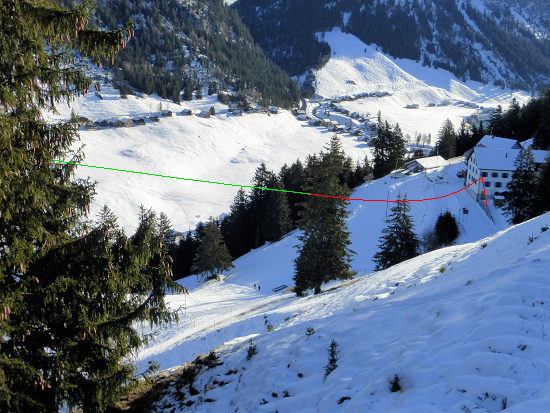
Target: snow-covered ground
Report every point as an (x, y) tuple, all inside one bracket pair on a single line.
[(463, 328), (407, 81)]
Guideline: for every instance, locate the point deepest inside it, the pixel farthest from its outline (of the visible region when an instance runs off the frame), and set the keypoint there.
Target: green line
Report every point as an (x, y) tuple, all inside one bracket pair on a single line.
[(183, 179)]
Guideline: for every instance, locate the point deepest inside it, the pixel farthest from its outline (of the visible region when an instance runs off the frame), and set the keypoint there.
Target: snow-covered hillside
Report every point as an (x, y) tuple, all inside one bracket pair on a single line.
[(355, 67), (223, 148), (462, 328)]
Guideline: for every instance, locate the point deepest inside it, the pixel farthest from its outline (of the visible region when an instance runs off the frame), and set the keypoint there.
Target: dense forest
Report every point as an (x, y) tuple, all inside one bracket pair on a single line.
[(490, 46), (186, 46)]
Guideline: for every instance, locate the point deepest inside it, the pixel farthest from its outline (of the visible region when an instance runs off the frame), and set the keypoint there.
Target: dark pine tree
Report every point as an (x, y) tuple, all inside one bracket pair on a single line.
[(520, 202), (382, 142), (236, 227), (542, 200), (277, 220), (212, 255), (446, 144), (259, 199), (324, 253), (399, 242), (446, 229), (70, 290)]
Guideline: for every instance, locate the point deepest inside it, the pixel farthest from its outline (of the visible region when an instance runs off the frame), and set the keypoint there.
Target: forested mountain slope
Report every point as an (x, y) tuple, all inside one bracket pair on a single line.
[(500, 42), (179, 46)]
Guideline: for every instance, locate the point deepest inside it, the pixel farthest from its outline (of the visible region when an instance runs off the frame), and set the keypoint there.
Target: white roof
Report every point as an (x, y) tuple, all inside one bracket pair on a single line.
[(489, 141), (502, 159), (430, 162)]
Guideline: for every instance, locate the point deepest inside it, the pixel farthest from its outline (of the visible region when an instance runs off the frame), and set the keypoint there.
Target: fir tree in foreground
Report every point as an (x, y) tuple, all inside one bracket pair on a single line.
[(212, 255), (70, 290), (522, 189), (400, 242), (324, 253)]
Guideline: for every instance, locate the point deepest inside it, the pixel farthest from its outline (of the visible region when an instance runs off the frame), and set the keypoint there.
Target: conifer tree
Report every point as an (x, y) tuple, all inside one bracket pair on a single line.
[(259, 199), (70, 289), (520, 203), (542, 199), (277, 220), (324, 252), (236, 228), (400, 242), (212, 255), (382, 142), (446, 143)]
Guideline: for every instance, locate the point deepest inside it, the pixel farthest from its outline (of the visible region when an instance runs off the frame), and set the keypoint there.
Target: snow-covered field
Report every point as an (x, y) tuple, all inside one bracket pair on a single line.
[(407, 81), (463, 329)]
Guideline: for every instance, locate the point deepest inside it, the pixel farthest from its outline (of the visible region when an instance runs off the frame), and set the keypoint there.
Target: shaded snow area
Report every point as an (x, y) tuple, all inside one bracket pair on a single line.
[(462, 328), (355, 67), (223, 148)]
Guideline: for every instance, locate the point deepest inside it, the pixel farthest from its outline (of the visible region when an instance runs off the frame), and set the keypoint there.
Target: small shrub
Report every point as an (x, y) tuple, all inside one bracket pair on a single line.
[(269, 328), (212, 110), (332, 358), (531, 239), (274, 394), (395, 386), (483, 245), (300, 375), (469, 282), (442, 270), (544, 228), (446, 228), (343, 399), (310, 331), (251, 350)]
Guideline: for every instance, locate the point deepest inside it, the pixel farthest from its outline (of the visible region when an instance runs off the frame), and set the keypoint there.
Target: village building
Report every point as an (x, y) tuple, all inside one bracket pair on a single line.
[(139, 121), (103, 123), (154, 118), (413, 106), (166, 112), (116, 123), (91, 126), (425, 164), (274, 110), (493, 160), (259, 109), (186, 112), (302, 118), (237, 112), (314, 122), (204, 114), (127, 123)]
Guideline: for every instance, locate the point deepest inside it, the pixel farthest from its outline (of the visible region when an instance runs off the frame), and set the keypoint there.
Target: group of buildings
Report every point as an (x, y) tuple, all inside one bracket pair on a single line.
[(492, 159)]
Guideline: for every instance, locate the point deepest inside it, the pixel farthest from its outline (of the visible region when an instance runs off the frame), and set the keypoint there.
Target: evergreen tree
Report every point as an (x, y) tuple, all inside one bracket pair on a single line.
[(324, 253), (277, 220), (70, 290), (236, 227), (464, 139), (446, 143), (542, 199), (400, 242), (293, 179), (212, 255), (259, 199), (520, 203), (446, 229), (381, 144), (396, 149)]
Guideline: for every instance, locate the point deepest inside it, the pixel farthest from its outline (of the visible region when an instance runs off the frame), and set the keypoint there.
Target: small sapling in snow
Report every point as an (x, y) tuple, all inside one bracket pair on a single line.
[(332, 358), (251, 350), (310, 331)]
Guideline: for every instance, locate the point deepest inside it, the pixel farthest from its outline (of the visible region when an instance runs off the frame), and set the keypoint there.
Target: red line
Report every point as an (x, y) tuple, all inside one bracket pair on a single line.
[(408, 200)]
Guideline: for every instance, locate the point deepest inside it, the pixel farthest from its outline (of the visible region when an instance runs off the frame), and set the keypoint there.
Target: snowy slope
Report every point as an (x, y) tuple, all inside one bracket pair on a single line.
[(213, 304), (223, 148), (407, 81), (463, 328)]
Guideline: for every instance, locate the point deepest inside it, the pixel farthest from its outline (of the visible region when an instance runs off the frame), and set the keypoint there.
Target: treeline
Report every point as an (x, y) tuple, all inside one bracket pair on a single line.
[(265, 215), (187, 46), (531, 120)]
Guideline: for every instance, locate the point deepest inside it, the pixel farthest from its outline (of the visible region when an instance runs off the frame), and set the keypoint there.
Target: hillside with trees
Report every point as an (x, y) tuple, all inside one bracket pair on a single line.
[(489, 42), (178, 48)]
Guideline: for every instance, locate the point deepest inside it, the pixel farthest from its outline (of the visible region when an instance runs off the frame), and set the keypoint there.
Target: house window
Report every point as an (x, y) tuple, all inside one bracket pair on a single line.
[(487, 184), (507, 184), (484, 174), (498, 184), (494, 175), (504, 175)]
